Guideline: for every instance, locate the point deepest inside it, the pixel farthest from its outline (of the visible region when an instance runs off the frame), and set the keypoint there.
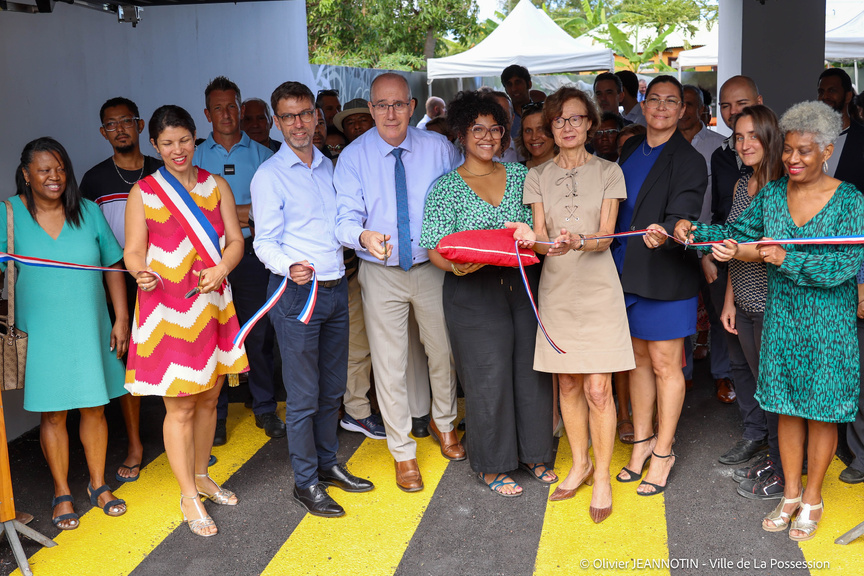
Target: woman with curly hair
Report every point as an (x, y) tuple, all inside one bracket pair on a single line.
[(508, 405), (806, 373)]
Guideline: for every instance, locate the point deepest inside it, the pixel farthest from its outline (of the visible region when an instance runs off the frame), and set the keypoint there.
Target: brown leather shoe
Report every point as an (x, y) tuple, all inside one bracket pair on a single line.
[(451, 448), (408, 476), (725, 390)]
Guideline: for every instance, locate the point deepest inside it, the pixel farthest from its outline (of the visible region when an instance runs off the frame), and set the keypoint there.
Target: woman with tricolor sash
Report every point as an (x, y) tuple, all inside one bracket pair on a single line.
[(808, 368), (73, 355), (183, 234)]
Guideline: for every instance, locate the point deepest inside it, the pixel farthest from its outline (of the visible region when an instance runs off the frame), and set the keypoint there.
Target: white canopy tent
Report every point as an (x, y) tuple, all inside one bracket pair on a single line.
[(844, 42), (528, 36)]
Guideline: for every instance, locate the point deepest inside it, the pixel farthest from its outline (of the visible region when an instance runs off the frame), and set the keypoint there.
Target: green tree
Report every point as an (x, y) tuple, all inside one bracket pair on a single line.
[(635, 54), (387, 33), (576, 23)]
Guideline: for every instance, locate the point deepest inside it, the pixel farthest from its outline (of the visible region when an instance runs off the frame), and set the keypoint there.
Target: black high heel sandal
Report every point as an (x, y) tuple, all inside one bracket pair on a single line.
[(657, 489), (633, 475)]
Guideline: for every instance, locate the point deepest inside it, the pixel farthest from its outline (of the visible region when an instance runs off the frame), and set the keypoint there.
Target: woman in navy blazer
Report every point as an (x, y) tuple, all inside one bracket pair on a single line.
[(665, 177)]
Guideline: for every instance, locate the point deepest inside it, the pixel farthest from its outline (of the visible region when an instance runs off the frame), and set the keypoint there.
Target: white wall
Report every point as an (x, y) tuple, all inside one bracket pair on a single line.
[(57, 69)]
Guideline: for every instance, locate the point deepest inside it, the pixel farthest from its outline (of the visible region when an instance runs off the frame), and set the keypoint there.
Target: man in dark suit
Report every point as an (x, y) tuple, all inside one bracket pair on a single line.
[(847, 162)]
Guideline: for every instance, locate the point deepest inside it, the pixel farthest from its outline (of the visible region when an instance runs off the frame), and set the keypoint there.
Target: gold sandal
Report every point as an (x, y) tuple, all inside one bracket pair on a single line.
[(198, 526), (803, 523), (221, 496), (779, 517)]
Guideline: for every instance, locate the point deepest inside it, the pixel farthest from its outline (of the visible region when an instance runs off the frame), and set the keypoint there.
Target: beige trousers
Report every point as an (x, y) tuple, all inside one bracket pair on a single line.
[(388, 295), (360, 363)]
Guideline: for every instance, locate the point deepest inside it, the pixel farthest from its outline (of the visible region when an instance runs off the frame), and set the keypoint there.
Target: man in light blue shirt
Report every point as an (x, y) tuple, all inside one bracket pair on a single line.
[(234, 156), (382, 180), (295, 206)]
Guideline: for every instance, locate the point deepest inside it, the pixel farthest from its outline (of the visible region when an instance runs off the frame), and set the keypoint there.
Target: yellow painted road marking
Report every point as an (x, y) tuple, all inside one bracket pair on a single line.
[(844, 509), (377, 527), (572, 544), (115, 546)]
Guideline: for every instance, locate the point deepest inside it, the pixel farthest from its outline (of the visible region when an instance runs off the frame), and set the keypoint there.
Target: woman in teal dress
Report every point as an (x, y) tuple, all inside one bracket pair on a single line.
[(73, 355), (508, 405), (808, 368)]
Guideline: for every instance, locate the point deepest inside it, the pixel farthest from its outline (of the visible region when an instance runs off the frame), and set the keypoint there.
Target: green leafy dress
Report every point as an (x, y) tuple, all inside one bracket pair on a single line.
[(808, 365)]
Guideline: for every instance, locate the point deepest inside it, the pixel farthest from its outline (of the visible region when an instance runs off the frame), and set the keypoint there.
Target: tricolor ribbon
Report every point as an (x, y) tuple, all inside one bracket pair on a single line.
[(533, 303), (45, 263), (835, 240), (305, 314)]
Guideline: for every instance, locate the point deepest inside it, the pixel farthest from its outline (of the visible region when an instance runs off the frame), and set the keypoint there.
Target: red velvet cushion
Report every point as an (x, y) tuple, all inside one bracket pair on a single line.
[(495, 247)]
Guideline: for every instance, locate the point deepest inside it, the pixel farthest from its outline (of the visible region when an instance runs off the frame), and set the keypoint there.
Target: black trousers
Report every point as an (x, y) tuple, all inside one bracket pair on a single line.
[(508, 406)]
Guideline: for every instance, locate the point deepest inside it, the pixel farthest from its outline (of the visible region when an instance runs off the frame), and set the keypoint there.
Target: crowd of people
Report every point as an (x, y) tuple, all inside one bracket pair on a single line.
[(371, 328)]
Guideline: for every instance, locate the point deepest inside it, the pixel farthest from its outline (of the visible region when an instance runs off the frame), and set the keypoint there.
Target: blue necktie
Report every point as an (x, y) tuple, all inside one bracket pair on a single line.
[(403, 220)]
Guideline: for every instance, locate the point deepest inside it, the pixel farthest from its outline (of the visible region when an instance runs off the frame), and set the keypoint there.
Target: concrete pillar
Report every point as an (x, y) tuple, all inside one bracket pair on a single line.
[(780, 44)]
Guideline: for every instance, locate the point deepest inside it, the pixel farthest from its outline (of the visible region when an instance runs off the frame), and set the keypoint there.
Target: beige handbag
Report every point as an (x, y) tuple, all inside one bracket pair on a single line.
[(14, 341)]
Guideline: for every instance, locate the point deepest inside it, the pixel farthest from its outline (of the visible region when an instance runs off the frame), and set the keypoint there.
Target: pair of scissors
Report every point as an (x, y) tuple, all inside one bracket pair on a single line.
[(197, 289)]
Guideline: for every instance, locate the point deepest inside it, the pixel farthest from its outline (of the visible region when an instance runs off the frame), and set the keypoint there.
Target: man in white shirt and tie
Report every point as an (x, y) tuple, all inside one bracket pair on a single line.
[(381, 181)]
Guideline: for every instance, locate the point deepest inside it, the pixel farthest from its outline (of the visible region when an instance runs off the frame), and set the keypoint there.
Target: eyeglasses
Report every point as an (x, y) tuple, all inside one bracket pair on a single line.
[(575, 121), (125, 122), (610, 133), (667, 103), (335, 147), (382, 107), (479, 131), (531, 106), (328, 92), (288, 118)]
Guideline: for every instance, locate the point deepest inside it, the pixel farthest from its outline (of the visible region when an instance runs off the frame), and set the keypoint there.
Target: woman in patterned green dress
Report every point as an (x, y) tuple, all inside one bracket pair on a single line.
[(808, 372), (508, 406)]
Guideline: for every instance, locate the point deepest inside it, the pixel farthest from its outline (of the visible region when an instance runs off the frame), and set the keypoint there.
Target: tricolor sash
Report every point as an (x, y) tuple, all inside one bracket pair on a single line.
[(182, 206)]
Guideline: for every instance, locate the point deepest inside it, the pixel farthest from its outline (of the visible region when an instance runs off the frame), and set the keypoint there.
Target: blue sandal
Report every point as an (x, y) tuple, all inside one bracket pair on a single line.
[(130, 469), (539, 477), (498, 483), (72, 516), (94, 500)]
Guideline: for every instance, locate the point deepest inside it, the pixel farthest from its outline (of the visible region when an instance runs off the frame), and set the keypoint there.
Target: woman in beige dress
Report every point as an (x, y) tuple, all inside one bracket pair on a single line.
[(575, 198)]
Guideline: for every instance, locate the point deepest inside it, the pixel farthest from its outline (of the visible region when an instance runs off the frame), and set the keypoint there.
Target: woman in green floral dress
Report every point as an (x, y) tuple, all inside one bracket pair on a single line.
[(808, 369), (508, 406)]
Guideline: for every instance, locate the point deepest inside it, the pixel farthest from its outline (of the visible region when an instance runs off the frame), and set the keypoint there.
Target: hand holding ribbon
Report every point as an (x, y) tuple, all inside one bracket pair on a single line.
[(655, 236), (301, 272), (725, 251), (146, 279), (523, 234)]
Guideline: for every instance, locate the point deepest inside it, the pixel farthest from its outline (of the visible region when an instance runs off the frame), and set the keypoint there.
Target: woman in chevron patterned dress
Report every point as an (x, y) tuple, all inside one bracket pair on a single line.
[(184, 321)]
